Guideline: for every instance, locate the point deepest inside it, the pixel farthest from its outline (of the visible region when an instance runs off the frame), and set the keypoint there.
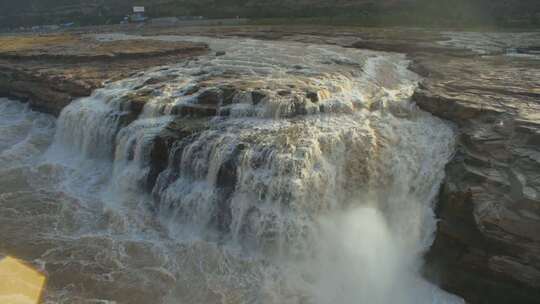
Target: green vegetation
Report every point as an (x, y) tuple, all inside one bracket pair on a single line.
[(463, 14), (427, 13)]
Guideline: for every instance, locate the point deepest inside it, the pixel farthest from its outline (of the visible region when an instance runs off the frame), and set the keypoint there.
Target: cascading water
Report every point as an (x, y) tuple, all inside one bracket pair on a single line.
[(275, 173)]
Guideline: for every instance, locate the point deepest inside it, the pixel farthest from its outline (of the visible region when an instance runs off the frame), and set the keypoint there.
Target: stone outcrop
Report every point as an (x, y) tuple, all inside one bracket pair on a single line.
[(487, 247), (49, 71)]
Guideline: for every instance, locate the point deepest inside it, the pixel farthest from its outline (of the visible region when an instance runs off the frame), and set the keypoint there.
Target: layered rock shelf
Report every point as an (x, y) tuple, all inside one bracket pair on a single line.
[(50, 71), (488, 234)]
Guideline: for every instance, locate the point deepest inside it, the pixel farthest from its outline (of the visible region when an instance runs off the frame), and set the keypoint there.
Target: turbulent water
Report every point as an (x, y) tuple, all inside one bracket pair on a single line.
[(274, 197)]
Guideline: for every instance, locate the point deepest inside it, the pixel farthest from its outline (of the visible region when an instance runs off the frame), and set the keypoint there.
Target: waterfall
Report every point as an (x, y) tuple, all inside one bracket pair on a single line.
[(309, 159)]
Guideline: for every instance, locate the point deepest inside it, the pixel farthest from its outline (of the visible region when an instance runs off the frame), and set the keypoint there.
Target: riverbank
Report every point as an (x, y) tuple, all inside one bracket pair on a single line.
[(51, 70)]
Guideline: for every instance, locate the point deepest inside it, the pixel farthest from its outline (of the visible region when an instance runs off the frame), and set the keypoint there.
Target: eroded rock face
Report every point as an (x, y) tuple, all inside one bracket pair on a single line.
[(50, 71), (488, 247), (45, 93)]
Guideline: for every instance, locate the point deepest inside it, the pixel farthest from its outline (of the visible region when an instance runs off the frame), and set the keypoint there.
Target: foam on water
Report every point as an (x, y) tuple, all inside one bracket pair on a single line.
[(23, 133), (268, 204)]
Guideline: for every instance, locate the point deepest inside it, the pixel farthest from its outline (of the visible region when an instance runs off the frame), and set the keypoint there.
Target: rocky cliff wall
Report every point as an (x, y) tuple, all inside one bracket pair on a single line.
[(488, 247)]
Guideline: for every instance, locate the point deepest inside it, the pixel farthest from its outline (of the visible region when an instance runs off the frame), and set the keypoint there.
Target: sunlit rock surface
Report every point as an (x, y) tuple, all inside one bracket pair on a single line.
[(488, 234), (51, 70)]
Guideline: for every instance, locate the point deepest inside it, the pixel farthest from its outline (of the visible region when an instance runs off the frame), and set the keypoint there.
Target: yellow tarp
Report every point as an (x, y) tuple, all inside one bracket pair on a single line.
[(19, 283)]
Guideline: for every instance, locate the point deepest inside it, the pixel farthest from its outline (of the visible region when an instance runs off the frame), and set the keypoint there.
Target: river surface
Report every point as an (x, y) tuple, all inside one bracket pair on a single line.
[(281, 200)]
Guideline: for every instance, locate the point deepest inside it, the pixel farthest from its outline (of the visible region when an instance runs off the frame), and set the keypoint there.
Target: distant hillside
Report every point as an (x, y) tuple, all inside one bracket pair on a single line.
[(15, 13)]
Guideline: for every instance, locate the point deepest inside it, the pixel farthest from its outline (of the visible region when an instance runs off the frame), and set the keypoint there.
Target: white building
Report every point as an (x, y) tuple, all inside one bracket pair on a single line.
[(138, 14)]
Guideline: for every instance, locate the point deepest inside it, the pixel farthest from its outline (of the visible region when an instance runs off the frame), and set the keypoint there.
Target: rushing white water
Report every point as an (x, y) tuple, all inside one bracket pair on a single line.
[(312, 182), (23, 133)]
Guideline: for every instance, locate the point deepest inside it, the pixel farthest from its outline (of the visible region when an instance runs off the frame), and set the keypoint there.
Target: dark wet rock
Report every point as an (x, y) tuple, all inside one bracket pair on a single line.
[(210, 102), (220, 53), (313, 96), (284, 93), (227, 95), (194, 110), (136, 106), (217, 96), (226, 181), (133, 104), (159, 157), (225, 111), (172, 137), (158, 80), (199, 73), (257, 97), (211, 97)]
